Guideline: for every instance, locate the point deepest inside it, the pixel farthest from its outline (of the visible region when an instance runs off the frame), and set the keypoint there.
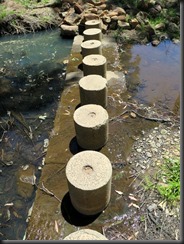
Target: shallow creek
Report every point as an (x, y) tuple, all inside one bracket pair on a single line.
[(33, 71)]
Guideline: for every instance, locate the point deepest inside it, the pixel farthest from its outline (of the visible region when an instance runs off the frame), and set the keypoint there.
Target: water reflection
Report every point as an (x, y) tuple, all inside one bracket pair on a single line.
[(31, 80), (32, 71), (154, 73)]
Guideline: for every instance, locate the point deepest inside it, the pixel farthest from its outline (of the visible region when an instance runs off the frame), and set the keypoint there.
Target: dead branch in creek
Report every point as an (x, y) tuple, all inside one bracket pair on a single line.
[(161, 120), (43, 188)]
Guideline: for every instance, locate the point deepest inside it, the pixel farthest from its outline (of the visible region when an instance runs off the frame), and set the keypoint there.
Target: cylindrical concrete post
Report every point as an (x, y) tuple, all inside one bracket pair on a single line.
[(89, 176), (95, 64), (93, 90), (95, 23), (91, 123), (91, 47), (85, 234), (92, 34)]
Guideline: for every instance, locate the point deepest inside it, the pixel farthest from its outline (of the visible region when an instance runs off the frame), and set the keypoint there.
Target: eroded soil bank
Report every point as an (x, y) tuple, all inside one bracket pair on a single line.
[(129, 21)]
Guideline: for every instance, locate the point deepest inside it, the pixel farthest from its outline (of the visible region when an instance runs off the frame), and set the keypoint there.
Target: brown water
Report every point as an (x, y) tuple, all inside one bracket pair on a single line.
[(153, 77), (154, 73)]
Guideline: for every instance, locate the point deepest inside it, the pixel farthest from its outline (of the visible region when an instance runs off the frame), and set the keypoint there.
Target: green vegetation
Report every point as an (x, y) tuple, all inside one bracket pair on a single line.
[(26, 16), (155, 21), (4, 12), (164, 17), (27, 3), (167, 181), (169, 18), (148, 183), (169, 188)]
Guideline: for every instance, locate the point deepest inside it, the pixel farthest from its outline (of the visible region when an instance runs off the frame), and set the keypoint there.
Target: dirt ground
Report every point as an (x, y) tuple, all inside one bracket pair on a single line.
[(154, 218)]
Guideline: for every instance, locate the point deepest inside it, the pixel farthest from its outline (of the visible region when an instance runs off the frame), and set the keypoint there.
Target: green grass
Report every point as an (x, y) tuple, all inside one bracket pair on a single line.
[(169, 187), (149, 183), (171, 12), (157, 20), (4, 12), (166, 181), (27, 3)]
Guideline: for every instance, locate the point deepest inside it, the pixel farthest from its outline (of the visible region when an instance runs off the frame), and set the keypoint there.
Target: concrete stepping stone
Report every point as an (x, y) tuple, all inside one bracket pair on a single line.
[(92, 34), (91, 123), (93, 90), (95, 64), (89, 176), (91, 47), (95, 23), (85, 234)]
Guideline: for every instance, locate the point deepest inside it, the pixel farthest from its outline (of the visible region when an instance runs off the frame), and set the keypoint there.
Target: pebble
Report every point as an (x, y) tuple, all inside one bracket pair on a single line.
[(149, 155), (154, 146), (133, 115), (163, 131), (152, 207)]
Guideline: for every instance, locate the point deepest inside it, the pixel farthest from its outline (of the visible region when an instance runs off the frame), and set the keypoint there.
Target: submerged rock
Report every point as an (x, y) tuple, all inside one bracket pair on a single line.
[(26, 181)]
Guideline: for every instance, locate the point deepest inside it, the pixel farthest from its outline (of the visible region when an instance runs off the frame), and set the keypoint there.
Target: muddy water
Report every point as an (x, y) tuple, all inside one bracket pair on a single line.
[(123, 132), (154, 73)]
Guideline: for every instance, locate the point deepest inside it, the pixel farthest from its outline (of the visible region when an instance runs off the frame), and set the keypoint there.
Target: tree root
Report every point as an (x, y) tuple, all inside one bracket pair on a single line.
[(161, 120)]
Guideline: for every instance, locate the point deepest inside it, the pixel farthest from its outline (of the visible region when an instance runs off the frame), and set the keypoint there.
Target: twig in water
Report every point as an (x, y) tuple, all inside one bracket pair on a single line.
[(43, 188), (137, 175), (161, 120)]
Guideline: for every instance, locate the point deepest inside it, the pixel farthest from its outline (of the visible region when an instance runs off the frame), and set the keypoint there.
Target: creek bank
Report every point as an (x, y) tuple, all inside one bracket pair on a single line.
[(159, 220), (151, 217), (127, 22)]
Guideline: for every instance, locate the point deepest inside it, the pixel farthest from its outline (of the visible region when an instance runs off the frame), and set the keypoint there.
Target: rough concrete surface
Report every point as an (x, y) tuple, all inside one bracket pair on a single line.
[(92, 33), (85, 234), (95, 64), (89, 175), (93, 90), (91, 47)]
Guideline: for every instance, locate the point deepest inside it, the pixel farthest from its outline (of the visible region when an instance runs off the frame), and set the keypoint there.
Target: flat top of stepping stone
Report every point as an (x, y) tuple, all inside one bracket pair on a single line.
[(89, 170), (93, 82), (85, 234), (92, 31), (92, 22), (91, 44), (94, 60), (91, 116)]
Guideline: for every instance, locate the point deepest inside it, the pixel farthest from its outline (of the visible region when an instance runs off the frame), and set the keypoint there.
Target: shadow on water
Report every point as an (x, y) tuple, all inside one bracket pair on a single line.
[(75, 148), (72, 216)]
